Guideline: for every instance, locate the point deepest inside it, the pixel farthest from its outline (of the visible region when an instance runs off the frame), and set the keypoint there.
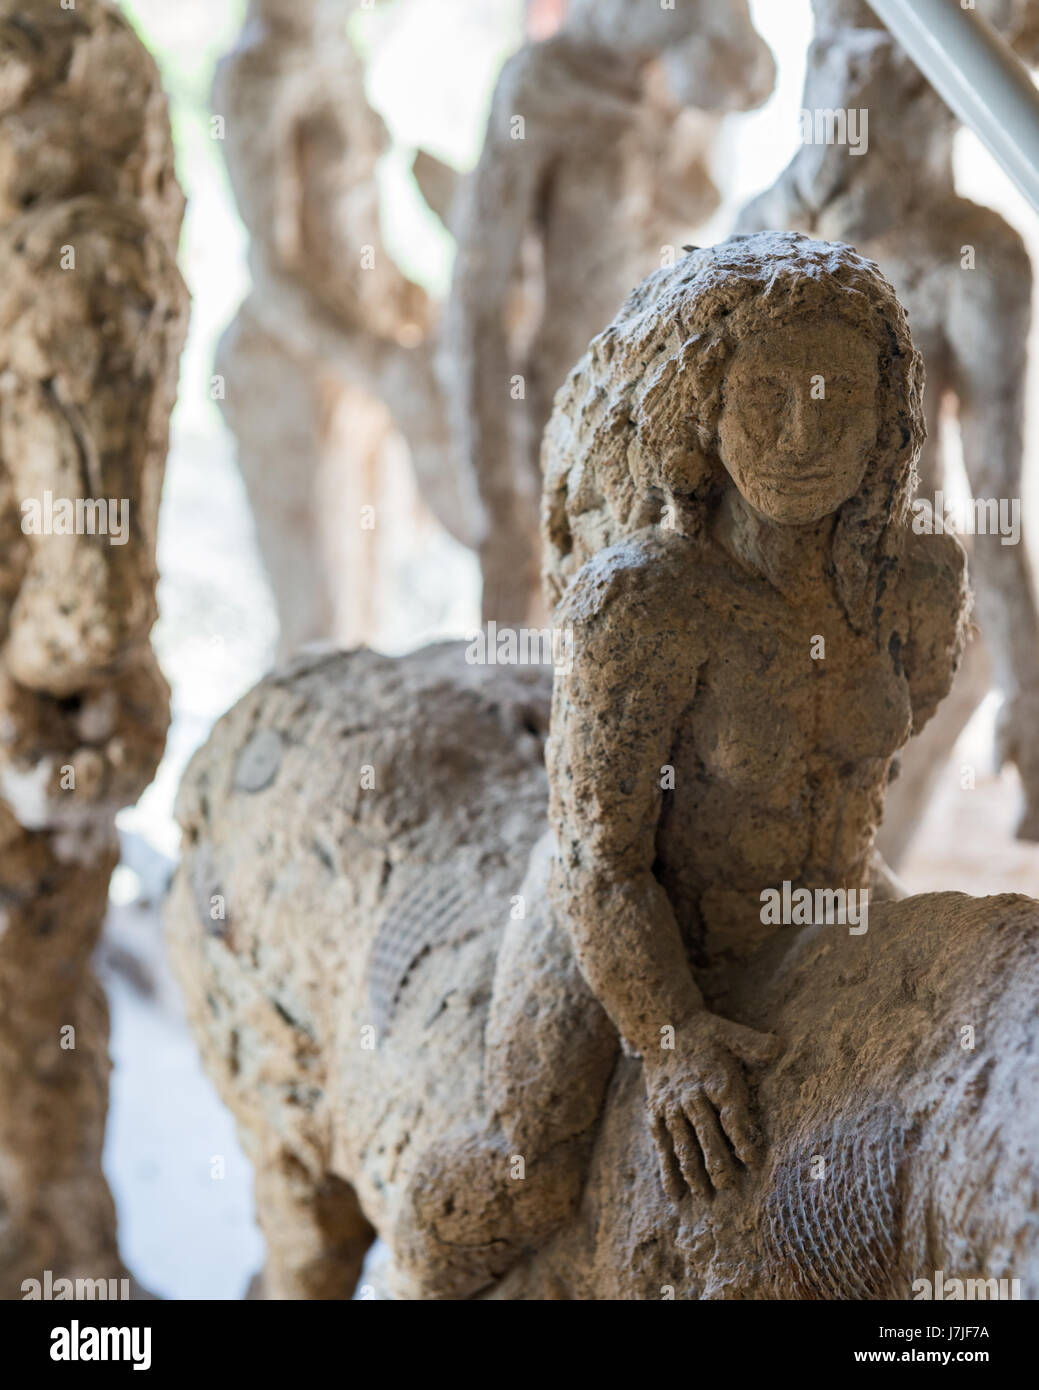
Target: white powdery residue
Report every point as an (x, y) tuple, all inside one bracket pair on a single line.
[(26, 793)]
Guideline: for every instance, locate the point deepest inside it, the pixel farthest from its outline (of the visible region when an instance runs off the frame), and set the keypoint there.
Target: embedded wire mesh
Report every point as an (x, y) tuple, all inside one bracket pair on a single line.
[(433, 911), (839, 1236)]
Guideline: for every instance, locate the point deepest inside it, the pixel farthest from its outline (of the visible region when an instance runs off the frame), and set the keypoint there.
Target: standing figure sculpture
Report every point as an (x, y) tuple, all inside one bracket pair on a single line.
[(332, 333), (965, 279), (514, 1029), (594, 164)]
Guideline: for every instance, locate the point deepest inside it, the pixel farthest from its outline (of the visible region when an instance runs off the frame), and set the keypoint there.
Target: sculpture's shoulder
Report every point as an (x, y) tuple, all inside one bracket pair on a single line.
[(983, 227), (537, 79), (934, 573), (561, 79), (630, 602), (936, 604), (521, 75)]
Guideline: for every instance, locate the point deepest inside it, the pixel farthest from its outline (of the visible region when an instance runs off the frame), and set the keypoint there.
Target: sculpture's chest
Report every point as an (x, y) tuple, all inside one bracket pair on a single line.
[(783, 690)]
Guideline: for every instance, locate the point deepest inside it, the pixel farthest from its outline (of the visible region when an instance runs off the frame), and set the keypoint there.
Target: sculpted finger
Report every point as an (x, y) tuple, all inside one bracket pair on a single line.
[(750, 1046), (717, 1155), (728, 1095), (670, 1174), (687, 1150)]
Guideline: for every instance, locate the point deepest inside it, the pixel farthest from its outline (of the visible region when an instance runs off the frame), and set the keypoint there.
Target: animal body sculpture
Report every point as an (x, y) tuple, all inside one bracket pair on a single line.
[(538, 1032)]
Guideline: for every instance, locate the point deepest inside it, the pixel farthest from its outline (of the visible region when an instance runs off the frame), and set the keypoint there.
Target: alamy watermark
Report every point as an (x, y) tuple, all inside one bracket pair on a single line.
[(951, 1290), (523, 646), (804, 907), (48, 1288), (80, 1342), (971, 516), (836, 126), (77, 516)]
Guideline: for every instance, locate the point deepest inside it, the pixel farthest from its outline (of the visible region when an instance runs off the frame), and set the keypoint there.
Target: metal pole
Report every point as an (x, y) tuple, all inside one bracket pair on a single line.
[(978, 75)]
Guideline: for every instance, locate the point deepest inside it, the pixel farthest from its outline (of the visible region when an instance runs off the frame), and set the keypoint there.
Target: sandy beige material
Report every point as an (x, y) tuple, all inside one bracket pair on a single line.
[(92, 317), (594, 171), (330, 312), (964, 276), (545, 1039)]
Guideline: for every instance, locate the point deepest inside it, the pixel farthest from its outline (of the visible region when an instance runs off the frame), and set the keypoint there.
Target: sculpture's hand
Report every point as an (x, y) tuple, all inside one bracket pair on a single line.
[(699, 1104)]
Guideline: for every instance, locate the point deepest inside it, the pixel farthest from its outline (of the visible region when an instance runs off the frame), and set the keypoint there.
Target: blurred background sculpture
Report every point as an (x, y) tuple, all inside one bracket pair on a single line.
[(332, 350), (386, 930), (93, 313), (594, 170), (965, 278)]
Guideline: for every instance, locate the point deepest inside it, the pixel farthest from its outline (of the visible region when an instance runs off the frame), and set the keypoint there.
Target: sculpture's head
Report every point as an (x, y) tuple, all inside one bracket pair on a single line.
[(713, 57), (774, 365)]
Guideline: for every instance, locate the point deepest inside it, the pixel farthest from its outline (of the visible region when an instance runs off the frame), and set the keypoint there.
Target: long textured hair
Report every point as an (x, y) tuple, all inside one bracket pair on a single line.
[(635, 427)]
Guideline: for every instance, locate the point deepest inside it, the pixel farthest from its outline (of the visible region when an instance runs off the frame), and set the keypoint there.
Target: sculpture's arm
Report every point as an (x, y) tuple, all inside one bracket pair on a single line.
[(992, 308), (496, 209), (507, 200), (614, 723), (938, 608)]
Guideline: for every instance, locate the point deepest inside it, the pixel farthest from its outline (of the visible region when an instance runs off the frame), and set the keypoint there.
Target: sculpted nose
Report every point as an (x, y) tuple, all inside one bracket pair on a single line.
[(796, 422)]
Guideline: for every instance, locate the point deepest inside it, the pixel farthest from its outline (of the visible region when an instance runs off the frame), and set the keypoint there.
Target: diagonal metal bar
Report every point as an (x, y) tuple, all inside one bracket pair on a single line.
[(978, 75)]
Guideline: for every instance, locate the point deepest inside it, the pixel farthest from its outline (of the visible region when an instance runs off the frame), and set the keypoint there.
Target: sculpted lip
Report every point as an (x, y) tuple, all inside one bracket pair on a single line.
[(801, 478)]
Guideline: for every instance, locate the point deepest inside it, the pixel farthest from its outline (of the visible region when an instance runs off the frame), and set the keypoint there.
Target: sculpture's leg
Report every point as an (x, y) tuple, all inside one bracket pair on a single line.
[(991, 387), (482, 1197), (273, 406), (317, 1235)]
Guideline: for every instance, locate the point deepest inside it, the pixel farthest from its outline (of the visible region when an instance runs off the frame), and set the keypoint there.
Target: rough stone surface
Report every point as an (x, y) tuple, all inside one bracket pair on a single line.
[(88, 367), (441, 991), (897, 204), (569, 211)]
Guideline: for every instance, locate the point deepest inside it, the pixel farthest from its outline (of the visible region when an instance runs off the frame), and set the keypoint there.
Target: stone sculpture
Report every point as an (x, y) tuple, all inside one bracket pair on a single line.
[(594, 164), (330, 314), (964, 276), (92, 317), (510, 1025)]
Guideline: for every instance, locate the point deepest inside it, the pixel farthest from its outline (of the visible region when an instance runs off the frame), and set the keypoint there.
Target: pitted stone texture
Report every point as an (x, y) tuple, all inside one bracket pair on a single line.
[(629, 902), (92, 317)]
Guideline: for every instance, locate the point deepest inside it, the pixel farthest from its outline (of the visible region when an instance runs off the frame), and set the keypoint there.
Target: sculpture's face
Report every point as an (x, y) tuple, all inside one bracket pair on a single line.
[(800, 419)]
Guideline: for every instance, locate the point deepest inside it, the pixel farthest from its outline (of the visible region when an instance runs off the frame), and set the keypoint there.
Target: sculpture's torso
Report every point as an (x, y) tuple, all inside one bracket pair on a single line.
[(780, 758), (605, 140)]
